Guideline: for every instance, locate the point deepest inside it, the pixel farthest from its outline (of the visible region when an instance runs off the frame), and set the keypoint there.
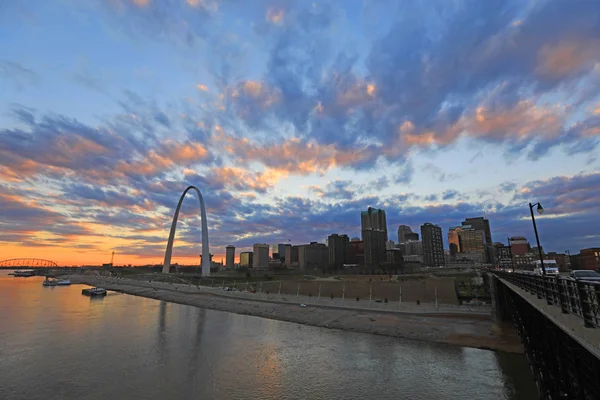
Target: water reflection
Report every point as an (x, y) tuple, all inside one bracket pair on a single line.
[(59, 344)]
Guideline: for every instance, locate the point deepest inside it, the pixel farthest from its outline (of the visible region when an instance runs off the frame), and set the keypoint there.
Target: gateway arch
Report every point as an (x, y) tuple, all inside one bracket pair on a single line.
[(205, 250)]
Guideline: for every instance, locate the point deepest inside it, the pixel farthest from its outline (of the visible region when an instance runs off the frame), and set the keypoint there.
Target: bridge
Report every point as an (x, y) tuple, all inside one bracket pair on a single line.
[(27, 263), (558, 320)]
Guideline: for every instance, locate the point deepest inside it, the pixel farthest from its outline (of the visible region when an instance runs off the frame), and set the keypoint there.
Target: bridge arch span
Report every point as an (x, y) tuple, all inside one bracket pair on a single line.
[(27, 262), (205, 249)]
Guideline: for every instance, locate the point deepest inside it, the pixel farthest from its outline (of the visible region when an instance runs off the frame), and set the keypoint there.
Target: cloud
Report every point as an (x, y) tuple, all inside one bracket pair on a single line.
[(565, 58), (16, 74), (58, 147), (177, 21), (479, 79), (450, 194)]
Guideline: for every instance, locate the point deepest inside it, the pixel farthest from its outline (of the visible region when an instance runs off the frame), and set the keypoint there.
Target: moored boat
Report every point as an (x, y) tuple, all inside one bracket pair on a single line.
[(49, 282), (63, 282), (24, 273), (93, 292)]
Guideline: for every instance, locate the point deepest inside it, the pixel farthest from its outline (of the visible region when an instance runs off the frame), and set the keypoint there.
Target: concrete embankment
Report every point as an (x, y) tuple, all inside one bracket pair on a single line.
[(463, 329)]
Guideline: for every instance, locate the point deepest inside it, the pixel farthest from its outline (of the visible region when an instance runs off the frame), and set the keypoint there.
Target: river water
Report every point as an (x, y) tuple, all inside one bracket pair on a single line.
[(57, 344)]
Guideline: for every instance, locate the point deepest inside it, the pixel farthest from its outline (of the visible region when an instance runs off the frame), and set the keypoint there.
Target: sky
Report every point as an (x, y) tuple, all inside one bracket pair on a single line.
[(292, 117)]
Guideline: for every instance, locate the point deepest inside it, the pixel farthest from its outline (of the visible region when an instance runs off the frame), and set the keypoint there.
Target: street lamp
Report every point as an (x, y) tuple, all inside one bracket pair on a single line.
[(540, 210)]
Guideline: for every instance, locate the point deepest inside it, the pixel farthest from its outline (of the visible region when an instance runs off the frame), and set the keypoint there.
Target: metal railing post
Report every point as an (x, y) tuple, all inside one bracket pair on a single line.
[(562, 301), (584, 303)]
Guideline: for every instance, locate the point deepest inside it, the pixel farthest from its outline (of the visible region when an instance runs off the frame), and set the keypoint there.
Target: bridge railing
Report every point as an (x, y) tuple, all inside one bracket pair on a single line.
[(576, 297)]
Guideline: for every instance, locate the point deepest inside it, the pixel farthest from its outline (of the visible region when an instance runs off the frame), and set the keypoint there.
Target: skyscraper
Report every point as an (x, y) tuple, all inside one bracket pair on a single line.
[(291, 255), (312, 256), (472, 241), (453, 240), (246, 259), (433, 245), (374, 235), (261, 256), (229, 256), (402, 231), (480, 224), (338, 250)]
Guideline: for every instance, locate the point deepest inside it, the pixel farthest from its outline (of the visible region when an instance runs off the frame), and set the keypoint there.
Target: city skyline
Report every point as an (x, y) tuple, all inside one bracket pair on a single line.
[(292, 118)]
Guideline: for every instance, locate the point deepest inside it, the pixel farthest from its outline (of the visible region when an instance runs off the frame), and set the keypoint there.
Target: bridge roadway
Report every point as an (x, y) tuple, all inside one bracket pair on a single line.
[(571, 324)]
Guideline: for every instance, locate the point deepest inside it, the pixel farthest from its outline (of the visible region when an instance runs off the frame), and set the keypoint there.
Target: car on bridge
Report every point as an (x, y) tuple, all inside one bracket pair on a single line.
[(585, 275)]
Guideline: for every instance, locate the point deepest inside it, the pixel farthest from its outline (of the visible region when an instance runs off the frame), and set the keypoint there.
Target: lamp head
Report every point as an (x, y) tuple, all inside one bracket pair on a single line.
[(540, 209)]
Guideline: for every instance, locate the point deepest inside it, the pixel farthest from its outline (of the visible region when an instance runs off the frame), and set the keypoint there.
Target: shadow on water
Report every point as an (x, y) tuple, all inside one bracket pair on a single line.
[(522, 385)]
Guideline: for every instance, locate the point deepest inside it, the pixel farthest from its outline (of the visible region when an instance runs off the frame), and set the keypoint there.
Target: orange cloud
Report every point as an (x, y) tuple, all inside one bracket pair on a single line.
[(565, 57), (292, 155), (275, 16), (141, 3), (172, 154), (371, 89), (242, 179), (186, 152), (202, 87), (521, 121)]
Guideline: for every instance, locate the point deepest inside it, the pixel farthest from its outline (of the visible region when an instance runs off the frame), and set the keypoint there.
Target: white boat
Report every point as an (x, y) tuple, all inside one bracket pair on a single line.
[(63, 282)]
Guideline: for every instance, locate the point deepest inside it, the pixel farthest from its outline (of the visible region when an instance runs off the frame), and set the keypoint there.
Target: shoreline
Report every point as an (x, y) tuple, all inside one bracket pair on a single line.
[(461, 329)]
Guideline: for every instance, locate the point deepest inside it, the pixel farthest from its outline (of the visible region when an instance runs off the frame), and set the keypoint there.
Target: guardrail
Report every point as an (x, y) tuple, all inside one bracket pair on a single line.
[(576, 297)]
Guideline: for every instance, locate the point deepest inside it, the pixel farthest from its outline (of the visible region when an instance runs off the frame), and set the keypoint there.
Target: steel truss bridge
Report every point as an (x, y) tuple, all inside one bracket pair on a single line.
[(27, 263), (558, 320)]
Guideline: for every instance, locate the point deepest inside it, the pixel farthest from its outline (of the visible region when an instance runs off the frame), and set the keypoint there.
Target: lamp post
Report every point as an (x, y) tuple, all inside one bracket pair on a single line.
[(540, 210)]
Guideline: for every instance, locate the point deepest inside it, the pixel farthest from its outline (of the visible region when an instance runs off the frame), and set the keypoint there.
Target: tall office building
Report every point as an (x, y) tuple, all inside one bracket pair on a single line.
[(338, 250), (281, 250), (472, 241), (312, 256), (412, 248), (433, 245), (246, 259), (291, 255), (374, 235), (453, 240), (229, 256), (261, 256), (480, 224), (402, 231)]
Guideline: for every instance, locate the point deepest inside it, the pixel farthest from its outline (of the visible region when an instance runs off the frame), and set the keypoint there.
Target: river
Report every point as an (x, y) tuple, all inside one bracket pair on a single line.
[(57, 344)]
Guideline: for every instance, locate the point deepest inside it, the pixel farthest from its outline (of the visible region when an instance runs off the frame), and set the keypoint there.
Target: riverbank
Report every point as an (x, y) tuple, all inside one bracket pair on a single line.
[(462, 329)]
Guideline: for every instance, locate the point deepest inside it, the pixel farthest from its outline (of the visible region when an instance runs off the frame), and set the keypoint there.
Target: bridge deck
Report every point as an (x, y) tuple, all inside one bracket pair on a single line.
[(570, 324)]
